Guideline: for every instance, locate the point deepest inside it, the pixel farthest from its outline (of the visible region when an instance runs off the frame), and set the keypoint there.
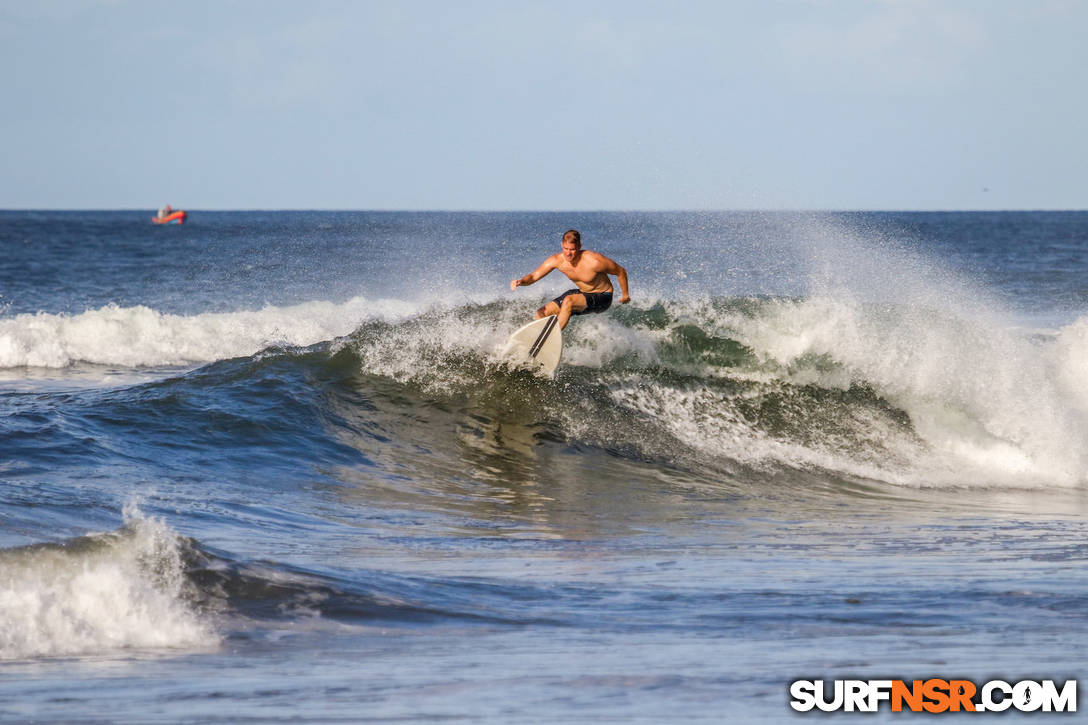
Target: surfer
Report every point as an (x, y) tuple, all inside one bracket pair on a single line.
[(587, 269)]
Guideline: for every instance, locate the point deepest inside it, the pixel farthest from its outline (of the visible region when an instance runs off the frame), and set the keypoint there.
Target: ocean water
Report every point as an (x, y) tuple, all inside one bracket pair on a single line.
[(270, 466)]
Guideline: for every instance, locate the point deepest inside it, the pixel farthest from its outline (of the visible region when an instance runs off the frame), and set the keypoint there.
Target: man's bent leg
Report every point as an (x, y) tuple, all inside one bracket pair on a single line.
[(571, 304)]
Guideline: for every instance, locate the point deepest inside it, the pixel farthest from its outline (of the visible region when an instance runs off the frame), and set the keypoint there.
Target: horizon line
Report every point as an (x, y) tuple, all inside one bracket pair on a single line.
[(738, 210)]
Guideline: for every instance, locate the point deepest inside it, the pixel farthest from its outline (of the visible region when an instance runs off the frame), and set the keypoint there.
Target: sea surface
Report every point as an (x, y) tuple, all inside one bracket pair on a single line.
[(272, 466)]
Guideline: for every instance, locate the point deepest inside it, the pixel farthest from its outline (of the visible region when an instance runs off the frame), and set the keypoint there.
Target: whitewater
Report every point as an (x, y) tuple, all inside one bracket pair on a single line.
[(275, 462)]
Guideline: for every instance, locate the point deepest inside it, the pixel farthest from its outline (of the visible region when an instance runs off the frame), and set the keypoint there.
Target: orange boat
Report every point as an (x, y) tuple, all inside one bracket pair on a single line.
[(171, 217)]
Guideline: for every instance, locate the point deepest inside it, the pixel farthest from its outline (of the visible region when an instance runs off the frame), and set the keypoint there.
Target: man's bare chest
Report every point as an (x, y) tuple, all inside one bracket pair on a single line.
[(580, 273)]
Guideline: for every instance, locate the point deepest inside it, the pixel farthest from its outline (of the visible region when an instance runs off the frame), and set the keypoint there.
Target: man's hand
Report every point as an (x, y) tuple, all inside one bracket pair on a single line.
[(514, 284)]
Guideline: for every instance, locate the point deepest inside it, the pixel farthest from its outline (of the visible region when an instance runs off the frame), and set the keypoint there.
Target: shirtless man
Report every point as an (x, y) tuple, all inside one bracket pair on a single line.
[(587, 269)]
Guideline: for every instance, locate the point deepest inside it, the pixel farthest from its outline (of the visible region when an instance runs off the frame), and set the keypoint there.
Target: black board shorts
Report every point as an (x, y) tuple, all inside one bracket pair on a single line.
[(595, 301)]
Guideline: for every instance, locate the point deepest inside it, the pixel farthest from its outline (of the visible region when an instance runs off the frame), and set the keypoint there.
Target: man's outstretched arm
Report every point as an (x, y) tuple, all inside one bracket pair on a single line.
[(535, 275)]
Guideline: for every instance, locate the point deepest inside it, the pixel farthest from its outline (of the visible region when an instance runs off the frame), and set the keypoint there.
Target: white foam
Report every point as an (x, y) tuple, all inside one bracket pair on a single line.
[(122, 591), (140, 336), (596, 341), (423, 350)]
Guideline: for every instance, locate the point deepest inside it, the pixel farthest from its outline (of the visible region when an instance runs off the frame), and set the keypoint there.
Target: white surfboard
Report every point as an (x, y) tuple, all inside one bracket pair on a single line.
[(538, 345)]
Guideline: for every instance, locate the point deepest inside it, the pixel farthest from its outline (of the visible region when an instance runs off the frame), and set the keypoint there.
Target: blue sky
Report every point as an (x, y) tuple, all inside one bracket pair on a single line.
[(776, 104)]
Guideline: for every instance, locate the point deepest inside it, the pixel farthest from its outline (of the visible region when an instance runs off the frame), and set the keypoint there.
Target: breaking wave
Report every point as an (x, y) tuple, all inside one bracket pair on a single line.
[(100, 593), (901, 393), (904, 394)]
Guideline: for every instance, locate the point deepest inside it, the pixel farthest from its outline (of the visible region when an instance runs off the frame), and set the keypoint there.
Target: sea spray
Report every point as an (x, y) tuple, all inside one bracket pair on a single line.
[(986, 394)]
